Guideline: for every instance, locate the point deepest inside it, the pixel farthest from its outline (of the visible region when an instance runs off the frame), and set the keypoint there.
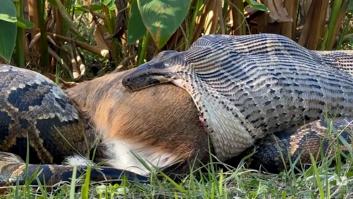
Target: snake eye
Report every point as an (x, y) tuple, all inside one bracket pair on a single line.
[(126, 82)]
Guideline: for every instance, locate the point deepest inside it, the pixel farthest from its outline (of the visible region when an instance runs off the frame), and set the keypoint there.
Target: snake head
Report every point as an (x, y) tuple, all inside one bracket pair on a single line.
[(161, 69)]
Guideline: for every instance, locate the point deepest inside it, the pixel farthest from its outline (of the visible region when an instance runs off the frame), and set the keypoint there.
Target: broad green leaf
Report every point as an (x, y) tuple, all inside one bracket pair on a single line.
[(135, 28), (8, 31), (163, 17), (7, 39), (8, 11), (256, 5)]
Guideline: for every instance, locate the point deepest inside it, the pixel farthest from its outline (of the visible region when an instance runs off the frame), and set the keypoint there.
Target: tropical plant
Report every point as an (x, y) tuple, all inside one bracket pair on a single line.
[(76, 38)]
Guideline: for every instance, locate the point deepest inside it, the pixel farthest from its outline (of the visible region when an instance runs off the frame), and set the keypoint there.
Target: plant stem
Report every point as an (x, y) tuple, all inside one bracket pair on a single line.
[(143, 51), (19, 55), (339, 6), (237, 8), (44, 58)]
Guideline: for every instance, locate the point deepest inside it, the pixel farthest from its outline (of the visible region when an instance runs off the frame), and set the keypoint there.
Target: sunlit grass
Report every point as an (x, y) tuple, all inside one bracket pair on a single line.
[(331, 177), (315, 182), (321, 180)]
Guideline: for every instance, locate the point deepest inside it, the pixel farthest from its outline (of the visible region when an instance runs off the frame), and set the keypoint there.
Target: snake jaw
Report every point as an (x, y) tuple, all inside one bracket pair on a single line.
[(144, 77), (162, 69), (139, 83)]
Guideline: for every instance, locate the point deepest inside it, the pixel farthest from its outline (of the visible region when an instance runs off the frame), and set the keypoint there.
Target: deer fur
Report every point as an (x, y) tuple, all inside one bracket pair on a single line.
[(159, 124)]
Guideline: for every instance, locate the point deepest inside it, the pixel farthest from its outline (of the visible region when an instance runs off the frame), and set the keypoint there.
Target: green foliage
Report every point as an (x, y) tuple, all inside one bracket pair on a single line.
[(86, 184), (65, 15), (109, 3), (163, 18), (8, 31), (328, 176), (338, 8), (256, 5), (136, 28), (73, 183), (8, 11), (23, 23), (350, 5), (125, 33)]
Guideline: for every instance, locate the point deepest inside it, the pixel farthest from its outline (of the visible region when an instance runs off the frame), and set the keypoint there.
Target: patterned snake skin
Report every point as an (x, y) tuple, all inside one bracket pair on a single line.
[(13, 170), (34, 109), (244, 87), (247, 87)]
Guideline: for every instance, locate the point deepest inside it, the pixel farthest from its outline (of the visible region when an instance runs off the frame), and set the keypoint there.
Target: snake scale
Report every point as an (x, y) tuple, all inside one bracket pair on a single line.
[(35, 110), (247, 87)]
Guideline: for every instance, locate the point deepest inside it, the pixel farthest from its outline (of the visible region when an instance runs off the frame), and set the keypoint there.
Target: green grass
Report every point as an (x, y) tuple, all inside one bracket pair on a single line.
[(332, 177), (243, 183), (318, 181)]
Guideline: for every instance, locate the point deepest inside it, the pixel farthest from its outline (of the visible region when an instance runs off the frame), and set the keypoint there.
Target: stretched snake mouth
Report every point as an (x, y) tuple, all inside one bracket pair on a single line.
[(139, 83), (161, 69), (147, 75)]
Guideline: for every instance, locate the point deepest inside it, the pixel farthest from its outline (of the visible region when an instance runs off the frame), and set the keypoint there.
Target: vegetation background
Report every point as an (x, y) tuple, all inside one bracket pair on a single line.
[(74, 40), (79, 39)]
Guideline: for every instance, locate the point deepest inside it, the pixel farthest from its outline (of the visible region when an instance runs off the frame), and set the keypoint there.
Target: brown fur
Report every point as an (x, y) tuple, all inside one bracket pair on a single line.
[(161, 117)]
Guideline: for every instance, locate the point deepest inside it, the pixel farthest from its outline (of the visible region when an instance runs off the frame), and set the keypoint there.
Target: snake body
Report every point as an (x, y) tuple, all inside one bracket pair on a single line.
[(34, 110), (247, 87)]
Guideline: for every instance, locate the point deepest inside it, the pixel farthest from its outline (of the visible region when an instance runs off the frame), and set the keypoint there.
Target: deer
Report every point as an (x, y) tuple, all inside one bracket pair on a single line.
[(159, 125)]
